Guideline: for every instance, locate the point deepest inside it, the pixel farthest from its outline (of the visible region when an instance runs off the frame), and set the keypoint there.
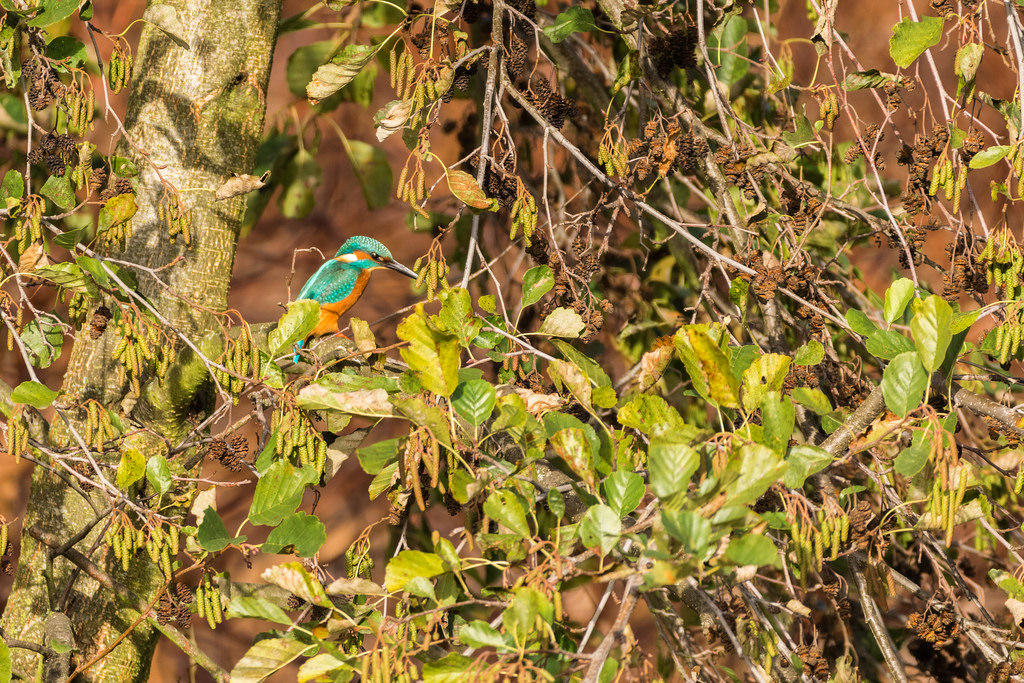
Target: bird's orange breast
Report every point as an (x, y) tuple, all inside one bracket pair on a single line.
[(329, 313)]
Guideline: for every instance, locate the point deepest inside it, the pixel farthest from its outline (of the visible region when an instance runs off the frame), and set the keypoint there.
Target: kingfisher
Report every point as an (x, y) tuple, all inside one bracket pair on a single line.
[(339, 283)]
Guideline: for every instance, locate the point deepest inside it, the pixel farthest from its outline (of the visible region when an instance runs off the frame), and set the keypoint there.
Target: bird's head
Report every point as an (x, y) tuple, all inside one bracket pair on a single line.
[(365, 254)]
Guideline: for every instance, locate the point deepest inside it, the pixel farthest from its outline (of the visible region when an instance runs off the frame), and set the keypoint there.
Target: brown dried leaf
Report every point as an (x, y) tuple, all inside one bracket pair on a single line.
[(464, 187), (240, 183), (34, 257), (392, 117)]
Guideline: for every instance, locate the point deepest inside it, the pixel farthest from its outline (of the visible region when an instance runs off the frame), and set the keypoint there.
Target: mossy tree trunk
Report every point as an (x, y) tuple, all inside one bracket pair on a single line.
[(194, 117)]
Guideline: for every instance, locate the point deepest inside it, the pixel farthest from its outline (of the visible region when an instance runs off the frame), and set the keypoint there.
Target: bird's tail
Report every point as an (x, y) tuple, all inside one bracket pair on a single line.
[(295, 358)]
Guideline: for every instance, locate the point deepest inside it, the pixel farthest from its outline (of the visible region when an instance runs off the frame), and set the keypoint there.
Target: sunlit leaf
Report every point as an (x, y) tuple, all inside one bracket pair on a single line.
[(911, 38)]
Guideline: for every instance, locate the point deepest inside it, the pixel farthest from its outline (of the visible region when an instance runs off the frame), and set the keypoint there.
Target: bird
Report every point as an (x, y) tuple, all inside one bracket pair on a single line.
[(339, 282)]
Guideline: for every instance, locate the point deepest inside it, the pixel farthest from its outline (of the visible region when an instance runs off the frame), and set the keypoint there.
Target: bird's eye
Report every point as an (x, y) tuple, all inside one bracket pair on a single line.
[(375, 256)]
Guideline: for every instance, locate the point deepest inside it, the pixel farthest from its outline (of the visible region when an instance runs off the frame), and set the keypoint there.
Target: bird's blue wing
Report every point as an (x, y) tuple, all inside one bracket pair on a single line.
[(331, 283)]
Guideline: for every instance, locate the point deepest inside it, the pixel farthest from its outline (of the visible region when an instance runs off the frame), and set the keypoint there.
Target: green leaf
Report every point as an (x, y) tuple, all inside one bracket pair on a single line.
[(12, 187), (528, 610), (802, 134), (573, 20), (738, 290), (295, 578), (707, 365), (376, 456), (303, 534), (594, 372), (5, 663), (670, 465), (411, 564), (562, 322), (872, 78), (1007, 582), (628, 71), (805, 460), (508, 509), (94, 268), (932, 330), (752, 549), (301, 176), (691, 529), (68, 50), (44, 339), (373, 172), (897, 297), (130, 469), (123, 167), (68, 275), (623, 491), (304, 62), (116, 211), (756, 469), (812, 399), (888, 344), (294, 326), (212, 535), (325, 666), (279, 492), (912, 459), (34, 394), (250, 607), (911, 38), (69, 238), (54, 11), (778, 417), (903, 383), (427, 415), (963, 320), (267, 656), (968, 59), (433, 356), (766, 373), (537, 282), (571, 444), (474, 401), (478, 634), (810, 353), (165, 17), (729, 50), (860, 323), (457, 316), (158, 474), (339, 72), (452, 668), (556, 503), (600, 528), (985, 157), (465, 189)]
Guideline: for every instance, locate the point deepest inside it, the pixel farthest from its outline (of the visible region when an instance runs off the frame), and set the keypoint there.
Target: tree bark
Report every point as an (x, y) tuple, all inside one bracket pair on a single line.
[(194, 117)]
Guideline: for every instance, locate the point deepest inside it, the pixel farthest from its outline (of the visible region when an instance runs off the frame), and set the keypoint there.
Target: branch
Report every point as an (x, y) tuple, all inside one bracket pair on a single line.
[(630, 596), (493, 67), (873, 617), (676, 226), (839, 440)]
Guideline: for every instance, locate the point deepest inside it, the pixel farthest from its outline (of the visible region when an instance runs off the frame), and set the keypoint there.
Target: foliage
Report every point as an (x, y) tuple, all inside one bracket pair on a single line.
[(689, 396)]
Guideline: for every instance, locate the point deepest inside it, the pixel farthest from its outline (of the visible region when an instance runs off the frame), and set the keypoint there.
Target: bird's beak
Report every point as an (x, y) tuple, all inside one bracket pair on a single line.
[(396, 266)]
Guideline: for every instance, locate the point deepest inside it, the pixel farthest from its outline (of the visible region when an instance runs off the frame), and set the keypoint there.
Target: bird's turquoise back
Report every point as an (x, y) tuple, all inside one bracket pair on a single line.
[(332, 282)]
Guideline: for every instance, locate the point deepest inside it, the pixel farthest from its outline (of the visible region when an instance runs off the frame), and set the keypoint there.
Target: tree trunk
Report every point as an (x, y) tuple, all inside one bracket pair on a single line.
[(194, 117)]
